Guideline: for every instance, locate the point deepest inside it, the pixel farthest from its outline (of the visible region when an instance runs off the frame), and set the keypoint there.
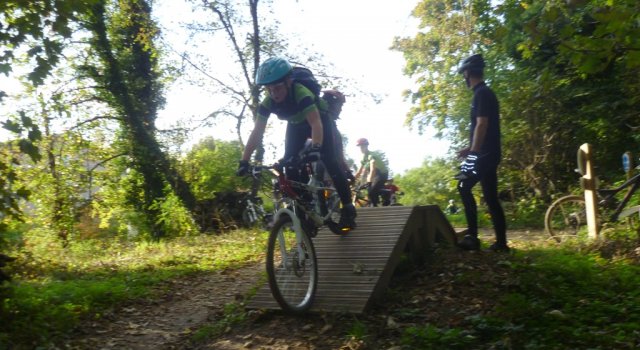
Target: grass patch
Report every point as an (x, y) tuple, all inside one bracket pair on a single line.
[(233, 314), (431, 337), (578, 295), (53, 289), (565, 298)]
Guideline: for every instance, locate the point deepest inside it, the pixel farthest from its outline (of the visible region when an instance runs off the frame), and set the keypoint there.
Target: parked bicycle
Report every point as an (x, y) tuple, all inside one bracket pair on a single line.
[(253, 213), (567, 216), (292, 268)]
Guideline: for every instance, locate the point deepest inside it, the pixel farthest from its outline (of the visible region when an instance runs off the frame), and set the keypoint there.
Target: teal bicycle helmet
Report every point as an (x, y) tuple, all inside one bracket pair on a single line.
[(272, 71)]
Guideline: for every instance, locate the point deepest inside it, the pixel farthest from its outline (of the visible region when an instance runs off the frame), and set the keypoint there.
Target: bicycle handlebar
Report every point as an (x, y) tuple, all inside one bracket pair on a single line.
[(256, 170)]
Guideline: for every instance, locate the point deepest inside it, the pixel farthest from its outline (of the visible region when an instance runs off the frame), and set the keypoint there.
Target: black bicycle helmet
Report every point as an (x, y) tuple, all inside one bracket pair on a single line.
[(474, 63)]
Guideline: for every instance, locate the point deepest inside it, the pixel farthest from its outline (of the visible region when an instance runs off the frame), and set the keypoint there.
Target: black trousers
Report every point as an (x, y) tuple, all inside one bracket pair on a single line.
[(295, 138), (377, 184), (488, 178)]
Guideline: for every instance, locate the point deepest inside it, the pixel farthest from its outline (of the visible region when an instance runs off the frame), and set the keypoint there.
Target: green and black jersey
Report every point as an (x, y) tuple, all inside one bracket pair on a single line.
[(380, 164), (295, 108)]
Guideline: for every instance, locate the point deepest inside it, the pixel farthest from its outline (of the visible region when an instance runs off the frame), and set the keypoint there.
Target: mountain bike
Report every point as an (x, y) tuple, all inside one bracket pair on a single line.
[(388, 196), (359, 196), (567, 216), (253, 212), (291, 264)]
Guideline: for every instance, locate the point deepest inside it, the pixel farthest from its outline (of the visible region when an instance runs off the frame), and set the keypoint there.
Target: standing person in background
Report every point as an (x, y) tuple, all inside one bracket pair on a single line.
[(481, 158), (373, 171)]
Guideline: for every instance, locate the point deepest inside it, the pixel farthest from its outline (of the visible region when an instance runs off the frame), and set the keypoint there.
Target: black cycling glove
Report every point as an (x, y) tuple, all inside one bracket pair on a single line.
[(469, 167), (243, 168), (312, 154)]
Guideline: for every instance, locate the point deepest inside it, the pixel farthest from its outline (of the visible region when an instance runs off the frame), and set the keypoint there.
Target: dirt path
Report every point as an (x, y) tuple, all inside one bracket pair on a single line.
[(165, 323), (188, 304)]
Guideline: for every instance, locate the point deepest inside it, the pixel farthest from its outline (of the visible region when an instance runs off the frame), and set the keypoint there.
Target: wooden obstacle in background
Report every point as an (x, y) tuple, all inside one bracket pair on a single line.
[(354, 270)]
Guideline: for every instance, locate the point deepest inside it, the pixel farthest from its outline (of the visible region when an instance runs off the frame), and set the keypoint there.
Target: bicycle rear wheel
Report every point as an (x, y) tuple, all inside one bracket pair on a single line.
[(566, 217), (292, 267)]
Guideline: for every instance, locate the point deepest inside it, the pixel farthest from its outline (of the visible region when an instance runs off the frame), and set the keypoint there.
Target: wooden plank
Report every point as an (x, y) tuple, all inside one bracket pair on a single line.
[(354, 270)]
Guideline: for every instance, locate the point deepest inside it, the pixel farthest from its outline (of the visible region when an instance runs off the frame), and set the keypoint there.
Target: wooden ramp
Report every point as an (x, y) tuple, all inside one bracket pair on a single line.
[(354, 270)]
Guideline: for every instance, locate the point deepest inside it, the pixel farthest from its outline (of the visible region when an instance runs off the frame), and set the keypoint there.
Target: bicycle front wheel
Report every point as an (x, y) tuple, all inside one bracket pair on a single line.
[(566, 217), (292, 267)]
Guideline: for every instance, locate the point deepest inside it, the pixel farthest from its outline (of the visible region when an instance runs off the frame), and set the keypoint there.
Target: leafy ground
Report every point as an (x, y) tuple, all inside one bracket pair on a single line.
[(534, 298), (205, 311)]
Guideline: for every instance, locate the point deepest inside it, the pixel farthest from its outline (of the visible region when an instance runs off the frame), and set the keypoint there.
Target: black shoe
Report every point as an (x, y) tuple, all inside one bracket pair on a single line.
[(348, 218), (469, 242), (499, 248)]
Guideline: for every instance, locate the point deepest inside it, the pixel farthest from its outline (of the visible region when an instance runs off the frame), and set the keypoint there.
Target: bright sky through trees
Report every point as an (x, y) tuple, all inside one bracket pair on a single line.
[(355, 36)]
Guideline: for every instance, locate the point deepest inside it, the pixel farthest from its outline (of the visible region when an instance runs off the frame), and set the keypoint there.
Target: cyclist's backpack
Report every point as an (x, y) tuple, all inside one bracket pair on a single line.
[(305, 77)]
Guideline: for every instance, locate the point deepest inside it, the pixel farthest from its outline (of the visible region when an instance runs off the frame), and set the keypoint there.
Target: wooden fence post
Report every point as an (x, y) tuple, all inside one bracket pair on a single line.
[(588, 182)]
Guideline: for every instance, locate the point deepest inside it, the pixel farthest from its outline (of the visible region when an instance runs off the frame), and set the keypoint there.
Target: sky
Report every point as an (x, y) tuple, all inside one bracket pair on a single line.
[(354, 36)]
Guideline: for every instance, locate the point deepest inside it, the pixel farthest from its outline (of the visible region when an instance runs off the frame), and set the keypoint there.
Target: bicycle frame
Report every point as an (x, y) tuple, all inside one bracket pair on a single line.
[(287, 187), (292, 203), (292, 197), (609, 194)]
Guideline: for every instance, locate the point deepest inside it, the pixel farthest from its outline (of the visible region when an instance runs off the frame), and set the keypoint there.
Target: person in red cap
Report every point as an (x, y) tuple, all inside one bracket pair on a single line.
[(373, 171)]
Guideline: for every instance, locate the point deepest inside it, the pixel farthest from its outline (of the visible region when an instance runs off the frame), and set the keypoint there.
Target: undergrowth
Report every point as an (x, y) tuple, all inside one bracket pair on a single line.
[(578, 295), (54, 288)]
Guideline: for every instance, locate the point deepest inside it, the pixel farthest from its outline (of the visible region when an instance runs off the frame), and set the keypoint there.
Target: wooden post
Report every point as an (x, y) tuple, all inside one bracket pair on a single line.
[(588, 182)]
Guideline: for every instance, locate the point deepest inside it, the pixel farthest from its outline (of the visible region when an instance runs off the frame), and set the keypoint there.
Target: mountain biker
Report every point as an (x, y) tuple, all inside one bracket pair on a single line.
[(335, 99), (481, 157), (373, 170), (306, 114)]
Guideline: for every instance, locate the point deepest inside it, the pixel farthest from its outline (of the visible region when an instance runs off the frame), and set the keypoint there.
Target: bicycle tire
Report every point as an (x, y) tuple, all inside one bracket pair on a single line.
[(566, 217), (293, 281)]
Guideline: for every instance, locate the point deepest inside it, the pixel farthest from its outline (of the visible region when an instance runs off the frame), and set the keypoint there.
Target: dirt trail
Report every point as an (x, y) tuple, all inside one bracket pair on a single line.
[(165, 323), (188, 304)]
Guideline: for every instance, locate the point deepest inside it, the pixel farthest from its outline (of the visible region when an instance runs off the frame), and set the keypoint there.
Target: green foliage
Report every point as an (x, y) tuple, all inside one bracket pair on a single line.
[(565, 72), (432, 337), (566, 298), (432, 183), (448, 33), (41, 25), (174, 217), (55, 289), (358, 330), (11, 192), (210, 167), (233, 315)]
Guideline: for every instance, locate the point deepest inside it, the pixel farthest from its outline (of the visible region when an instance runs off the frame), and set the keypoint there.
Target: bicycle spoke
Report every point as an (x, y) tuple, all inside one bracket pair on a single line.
[(291, 266), (566, 217)]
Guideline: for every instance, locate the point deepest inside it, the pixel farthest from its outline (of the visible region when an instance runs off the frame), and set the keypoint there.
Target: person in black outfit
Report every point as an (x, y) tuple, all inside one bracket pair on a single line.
[(481, 158)]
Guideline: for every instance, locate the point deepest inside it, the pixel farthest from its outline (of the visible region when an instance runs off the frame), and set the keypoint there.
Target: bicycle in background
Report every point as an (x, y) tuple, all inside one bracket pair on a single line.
[(567, 216), (291, 264)]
